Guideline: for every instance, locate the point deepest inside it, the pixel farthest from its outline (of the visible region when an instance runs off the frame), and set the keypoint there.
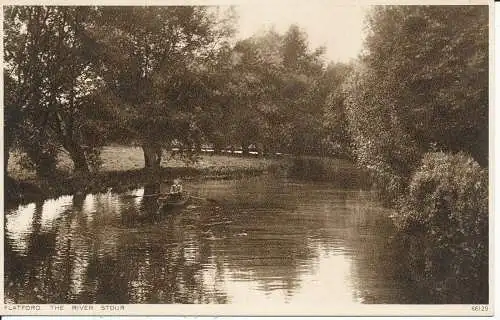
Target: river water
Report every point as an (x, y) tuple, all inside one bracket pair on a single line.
[(267, 239)]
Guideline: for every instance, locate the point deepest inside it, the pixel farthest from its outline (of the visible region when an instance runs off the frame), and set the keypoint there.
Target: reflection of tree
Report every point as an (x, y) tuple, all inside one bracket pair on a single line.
[(111, 255), (102, 249), (174, 269), (336, 172), (378, 269), (149, 204), (69, 258), (32, 275), (14, 268), (389, 267), (138, 210), (163, 268), (419, 285)]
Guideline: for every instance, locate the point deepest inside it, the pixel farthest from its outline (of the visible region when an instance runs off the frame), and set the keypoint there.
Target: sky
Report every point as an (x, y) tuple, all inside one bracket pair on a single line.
[(337, 27)]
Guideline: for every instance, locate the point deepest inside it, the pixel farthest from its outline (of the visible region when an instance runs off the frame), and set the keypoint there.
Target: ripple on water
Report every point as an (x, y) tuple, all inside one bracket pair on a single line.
[(266, 240)]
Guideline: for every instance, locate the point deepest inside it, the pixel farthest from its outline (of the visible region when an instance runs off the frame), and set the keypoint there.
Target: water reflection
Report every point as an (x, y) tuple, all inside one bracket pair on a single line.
[(259, 240)]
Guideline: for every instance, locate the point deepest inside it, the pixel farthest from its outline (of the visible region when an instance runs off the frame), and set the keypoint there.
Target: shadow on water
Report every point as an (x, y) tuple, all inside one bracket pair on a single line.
[(266, 239)]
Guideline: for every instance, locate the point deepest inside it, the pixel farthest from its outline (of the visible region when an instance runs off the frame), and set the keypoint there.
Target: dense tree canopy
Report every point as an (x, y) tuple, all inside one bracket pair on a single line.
[(50, 80), (421, 85), (77, 78), (157, 61), (282, 92), (80, 77)]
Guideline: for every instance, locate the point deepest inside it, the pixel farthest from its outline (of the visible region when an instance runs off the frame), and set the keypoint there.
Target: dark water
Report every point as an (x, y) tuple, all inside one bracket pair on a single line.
[(260, 240)]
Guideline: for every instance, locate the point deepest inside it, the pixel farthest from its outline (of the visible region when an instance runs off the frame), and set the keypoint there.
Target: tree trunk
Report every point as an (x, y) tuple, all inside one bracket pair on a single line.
[(260, 149), (77, 154), (218, 147), (78, 201), (81, 166), (46, 167), (71, 144), (45, 162), (244, 148), (152, 156), (158, 156), (7, 142)]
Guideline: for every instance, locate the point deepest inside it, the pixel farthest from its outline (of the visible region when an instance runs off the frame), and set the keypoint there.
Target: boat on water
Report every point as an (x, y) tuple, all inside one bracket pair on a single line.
[(170, 201)]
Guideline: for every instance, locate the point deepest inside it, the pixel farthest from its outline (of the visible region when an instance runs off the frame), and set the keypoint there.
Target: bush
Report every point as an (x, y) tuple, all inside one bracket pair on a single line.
[(447, 201)]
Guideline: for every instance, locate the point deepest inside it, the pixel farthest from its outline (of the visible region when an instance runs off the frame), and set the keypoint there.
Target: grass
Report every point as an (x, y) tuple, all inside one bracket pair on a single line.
[(123, 158), (123, 168), (126, 158)]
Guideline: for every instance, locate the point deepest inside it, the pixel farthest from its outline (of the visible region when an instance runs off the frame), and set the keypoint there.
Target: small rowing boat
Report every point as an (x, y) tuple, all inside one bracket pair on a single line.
[(171, 201)]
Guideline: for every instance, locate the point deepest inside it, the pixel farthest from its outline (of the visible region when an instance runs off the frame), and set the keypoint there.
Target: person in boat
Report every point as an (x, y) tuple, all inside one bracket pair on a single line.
[(176, 189)]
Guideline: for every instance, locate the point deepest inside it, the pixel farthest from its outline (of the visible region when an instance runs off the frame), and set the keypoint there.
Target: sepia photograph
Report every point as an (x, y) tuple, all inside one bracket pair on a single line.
[(254, 154)]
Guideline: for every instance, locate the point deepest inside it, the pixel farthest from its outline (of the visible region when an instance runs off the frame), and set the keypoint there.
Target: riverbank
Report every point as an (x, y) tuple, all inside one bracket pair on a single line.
[(122, 169)]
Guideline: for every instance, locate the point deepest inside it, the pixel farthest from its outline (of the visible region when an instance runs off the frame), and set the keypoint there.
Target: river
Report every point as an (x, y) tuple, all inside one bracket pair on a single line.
[(267, 239)]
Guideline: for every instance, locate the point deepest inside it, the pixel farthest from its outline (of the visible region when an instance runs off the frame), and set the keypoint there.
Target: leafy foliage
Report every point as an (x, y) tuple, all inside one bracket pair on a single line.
[(161, 70), (448, 201), (78, 77), (432, 63), (281, 92), (52, 77), (336, 137), (421, 85), (81, 77)]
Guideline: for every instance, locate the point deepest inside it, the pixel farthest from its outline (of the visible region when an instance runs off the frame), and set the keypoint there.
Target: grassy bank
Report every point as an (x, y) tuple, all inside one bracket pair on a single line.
[(122, 169)]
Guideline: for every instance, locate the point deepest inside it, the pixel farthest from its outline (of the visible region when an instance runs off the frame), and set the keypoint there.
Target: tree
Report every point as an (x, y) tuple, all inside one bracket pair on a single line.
[(279, 102), (337, 139), (26, 116), (421, 85), (154, 60), (52, 75), (302, 96), (249, 91)]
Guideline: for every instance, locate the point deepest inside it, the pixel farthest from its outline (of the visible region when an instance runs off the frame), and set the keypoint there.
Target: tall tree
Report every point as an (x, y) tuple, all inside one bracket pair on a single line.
[(280, 106), (301, 93), (155, 62), (46, 59), (24, 82), (12, 119), (337, 140), (421, 85)]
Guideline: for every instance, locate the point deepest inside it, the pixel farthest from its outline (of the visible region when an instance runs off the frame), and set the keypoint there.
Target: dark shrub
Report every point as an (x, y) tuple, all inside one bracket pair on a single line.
[(447, 202)]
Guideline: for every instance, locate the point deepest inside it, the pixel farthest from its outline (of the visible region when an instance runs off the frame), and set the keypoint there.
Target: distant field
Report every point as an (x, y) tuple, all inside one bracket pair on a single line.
[(123, 158)]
